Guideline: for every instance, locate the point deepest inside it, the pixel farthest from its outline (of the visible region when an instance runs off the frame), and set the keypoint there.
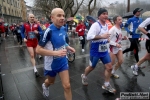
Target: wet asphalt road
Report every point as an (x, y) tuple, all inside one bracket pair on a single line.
[(19, 82)]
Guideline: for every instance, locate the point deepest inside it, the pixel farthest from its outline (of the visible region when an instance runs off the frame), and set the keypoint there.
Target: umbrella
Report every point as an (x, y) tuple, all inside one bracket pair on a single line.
[(128, 15), (76, 20), (79, 17), (91, 19)]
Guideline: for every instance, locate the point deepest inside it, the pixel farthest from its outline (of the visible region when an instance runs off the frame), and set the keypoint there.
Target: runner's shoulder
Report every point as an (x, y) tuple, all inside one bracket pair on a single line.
[(95, 25), (147, 19)]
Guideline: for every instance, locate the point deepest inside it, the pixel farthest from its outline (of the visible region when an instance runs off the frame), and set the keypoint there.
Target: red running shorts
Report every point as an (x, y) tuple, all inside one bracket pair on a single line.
[(32, 43)]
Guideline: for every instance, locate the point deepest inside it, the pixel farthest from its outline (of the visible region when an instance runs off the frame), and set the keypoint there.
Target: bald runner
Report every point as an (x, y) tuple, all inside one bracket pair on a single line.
[(54, 47)]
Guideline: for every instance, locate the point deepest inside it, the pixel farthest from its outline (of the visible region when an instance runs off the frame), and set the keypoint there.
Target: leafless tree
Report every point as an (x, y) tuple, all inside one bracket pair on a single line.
[(70, 7), (91, 6), (123, 9)]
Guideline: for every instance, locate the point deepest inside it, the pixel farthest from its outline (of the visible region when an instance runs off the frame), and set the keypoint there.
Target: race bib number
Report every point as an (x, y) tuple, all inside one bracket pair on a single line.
[(60, 48), (80, 38), (18, 31), (31, 35), (103, 48)]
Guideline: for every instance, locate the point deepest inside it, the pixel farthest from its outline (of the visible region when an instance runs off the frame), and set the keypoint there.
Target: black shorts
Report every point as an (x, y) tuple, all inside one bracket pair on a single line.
[(147, 45)]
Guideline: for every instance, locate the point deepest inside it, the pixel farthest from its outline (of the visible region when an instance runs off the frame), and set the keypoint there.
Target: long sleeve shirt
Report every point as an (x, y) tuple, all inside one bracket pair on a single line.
[(134, 22), (27, 27)]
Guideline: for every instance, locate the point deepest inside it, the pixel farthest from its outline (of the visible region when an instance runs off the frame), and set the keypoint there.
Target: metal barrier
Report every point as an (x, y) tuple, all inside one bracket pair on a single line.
[(1, 86)]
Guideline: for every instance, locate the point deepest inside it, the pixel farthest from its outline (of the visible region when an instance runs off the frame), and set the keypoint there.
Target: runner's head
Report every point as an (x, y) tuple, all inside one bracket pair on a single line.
[(38, 22), (117, 20), (18, 25), (31, 18), (35, 20), (102, 14), (137, 12), (21, 23), (81, 22), (58, 17)]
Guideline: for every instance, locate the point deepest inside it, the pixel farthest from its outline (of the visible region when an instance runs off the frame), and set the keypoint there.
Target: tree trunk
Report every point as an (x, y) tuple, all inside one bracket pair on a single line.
[(90, 9)]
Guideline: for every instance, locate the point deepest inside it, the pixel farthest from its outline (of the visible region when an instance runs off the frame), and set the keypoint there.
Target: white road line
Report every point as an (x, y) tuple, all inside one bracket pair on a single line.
[(42, 65), (15, 46), (26, 69)]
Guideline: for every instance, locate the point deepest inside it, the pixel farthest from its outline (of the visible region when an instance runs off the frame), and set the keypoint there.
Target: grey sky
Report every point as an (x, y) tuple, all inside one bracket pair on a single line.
[(30, 2)]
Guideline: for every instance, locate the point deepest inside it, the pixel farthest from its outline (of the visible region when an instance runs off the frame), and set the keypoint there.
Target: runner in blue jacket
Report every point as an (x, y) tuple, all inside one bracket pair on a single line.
[(134, 22)]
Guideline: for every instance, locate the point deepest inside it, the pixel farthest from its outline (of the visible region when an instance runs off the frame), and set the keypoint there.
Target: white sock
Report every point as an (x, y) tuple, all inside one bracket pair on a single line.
[(45, 86), (106, 83), (113, 71), (35, 70), (84, 76), (136, 67)]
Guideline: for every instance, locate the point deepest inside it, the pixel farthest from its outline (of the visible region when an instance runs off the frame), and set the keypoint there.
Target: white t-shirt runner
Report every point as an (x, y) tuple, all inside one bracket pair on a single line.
[(144, 24), (115, 38), (98, 47)]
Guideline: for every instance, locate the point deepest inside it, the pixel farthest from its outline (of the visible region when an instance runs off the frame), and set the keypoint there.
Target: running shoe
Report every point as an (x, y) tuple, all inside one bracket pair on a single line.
[(109, 88), (45, 90), (115, 75), (84, 79), (37, 74), (135, 71), (83, 50), (40, 56)]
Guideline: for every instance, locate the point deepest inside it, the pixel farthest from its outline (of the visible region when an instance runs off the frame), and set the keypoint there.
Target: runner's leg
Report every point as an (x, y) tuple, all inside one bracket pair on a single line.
[(130, 48), (108, 69), (119, 58), (49, 81), (136, 49), (64, 75), (143, 59), (92, 64), (31, 51), (113, 57)]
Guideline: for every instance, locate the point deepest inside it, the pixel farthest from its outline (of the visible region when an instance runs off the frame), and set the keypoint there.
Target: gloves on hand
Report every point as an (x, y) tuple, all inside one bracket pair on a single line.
[(131, 33), (80, 30)]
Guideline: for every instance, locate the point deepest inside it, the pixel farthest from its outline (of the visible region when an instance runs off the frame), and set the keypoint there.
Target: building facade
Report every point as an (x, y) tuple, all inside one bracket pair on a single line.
[(24, 10), (13, 11), (37, 12)]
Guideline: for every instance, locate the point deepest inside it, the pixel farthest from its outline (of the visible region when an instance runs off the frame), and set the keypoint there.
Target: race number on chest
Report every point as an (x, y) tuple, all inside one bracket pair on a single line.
[(31, 35), (102, 47)]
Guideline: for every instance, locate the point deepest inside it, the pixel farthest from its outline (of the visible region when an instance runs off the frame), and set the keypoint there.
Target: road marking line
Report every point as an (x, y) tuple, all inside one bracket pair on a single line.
[(15, 46)]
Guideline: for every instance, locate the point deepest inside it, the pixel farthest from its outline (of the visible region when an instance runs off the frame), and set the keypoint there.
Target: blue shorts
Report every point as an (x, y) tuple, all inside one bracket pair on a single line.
[(53, 73), (94, 60)]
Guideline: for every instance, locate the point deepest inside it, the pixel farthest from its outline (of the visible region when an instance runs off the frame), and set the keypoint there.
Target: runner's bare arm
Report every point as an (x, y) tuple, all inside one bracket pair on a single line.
[(40, 50), (103, 36), (142, 30), (142, 26), (71, 49)]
